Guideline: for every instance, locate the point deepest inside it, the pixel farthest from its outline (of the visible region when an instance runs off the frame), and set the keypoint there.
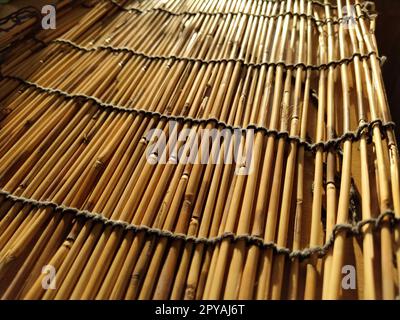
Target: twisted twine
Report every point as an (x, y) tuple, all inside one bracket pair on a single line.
[(319, 251), (333, 144), (288, 66)]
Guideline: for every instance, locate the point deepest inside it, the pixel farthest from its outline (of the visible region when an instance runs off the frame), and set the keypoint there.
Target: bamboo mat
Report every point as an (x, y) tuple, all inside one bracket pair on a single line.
[(83, 188)]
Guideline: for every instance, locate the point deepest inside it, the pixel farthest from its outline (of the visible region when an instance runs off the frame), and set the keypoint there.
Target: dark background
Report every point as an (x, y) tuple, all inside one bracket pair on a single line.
[(388, 39)]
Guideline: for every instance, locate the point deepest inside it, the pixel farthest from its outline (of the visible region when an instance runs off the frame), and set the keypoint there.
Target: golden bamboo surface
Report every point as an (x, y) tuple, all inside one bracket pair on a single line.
[(82, 188)]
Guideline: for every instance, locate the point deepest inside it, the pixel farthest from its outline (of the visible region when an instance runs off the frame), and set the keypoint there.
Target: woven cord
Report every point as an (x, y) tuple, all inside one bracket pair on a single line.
[(329, 145), (320, 251)]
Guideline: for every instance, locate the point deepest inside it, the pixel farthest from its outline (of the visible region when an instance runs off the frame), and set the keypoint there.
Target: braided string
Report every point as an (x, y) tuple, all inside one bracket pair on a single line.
[(323, 66), (318, 22), (366, 12), (319, 251), (122, 7), (328, 145)]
